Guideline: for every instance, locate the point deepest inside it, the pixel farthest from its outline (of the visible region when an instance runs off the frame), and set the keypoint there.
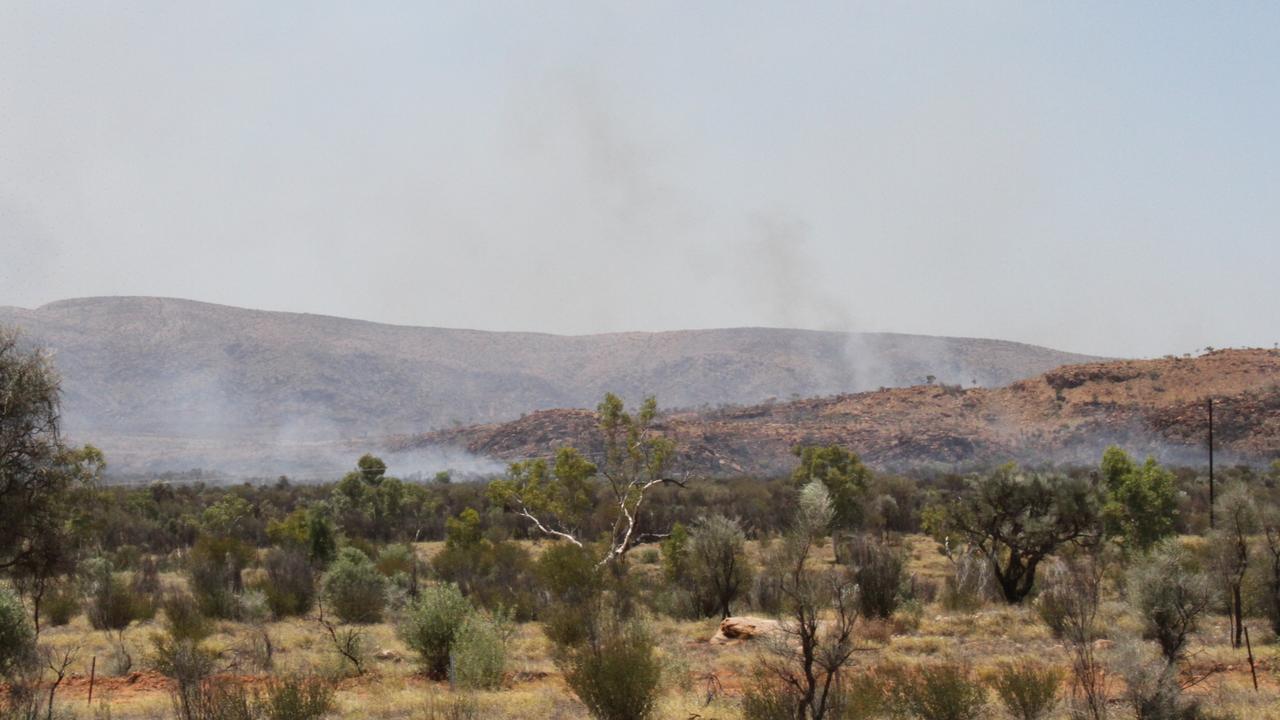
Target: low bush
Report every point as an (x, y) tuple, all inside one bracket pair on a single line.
[(182, 617), (859, 697), (1171, 595), (616, 674), (1028, 690), (494, 575), (111, 601), (969, 585), (214, 570), (290, 584), (574, 589), (354, 589), (479, 652), (294, 698), (942, 692), (431, 624), (209, 699), (61, 604), (397, 559), (879, 570)]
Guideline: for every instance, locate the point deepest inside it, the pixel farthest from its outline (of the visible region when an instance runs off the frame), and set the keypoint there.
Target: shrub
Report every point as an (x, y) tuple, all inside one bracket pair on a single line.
[(396, 559), (183, 619), (860, 697), (354, 589), (943, 692), (1170, 595), (616, 674), (1027, 690), (717, 567), (17, 636), (431, 624), (294, 698), (214, 570), (112, 604), (61, 604), (1151, 686), (493, 575), (879, 571), (290, 585), (969, 585), (574, 587), (209, 699), (188, 664), (479, 652)]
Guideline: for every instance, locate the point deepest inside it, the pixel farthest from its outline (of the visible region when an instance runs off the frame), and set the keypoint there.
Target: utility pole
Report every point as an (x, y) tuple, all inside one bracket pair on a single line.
[(1210, 463)]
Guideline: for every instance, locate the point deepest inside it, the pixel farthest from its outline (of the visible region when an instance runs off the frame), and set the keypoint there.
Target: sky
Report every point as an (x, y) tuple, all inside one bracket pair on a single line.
[(1093, 176)]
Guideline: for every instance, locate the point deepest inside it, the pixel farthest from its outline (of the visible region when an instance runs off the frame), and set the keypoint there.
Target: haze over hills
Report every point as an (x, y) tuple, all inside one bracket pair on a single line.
[(1069, 414), (164, 382)]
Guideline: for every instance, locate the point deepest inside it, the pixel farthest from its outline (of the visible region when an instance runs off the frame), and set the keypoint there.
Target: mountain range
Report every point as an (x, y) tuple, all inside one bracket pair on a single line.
[(170, 383)]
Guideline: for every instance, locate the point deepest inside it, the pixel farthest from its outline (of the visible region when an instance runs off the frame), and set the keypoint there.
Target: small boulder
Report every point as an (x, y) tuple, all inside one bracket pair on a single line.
[(734, 629), (389, 655)]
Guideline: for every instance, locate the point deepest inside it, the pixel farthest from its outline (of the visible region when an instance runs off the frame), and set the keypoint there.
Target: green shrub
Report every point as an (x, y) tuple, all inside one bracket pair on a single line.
[(1028, 691), (879, 571), (290, 585), (943, 692), (615, 674), (61, 604), (397, 559), (294, 698), (479, 652), (17, 636), (183, 619), (431, 624), (112, 604), (494, 575), (574, 588), (354, 589), (214, 570), (182, 659), (1170, 594)]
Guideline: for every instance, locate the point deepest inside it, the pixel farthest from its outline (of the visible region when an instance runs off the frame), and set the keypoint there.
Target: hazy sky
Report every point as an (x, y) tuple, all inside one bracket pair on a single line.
[(1101, 177)]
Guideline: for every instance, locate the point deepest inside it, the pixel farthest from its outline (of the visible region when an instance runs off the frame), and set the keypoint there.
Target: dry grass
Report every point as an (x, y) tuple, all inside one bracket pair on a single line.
[(702, 680)]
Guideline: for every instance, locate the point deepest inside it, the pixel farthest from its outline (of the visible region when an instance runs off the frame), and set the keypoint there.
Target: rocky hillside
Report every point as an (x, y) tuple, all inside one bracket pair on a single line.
[(1065, 415), (155, 375)]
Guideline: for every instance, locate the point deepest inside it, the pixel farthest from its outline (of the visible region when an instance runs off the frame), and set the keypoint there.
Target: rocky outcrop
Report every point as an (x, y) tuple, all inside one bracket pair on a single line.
[(736, 629)]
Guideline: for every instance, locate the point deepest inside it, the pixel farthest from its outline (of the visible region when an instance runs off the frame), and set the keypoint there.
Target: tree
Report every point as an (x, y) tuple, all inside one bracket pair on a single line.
[(1016, 519), (1142, 501), (1271, 543), (42, 481), (1171, 595), (38, 473), (718, 566), (843, 475), (803, 667), (556, 499), (1238, 521), (17, 638), (354, 589)]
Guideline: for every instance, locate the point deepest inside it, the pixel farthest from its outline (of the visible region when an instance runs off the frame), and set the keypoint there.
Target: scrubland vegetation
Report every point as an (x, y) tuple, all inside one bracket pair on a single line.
[(576, 587)]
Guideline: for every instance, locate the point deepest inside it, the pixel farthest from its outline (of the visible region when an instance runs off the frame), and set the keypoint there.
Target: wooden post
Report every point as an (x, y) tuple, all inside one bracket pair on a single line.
[(93, 671), (1252, 669)]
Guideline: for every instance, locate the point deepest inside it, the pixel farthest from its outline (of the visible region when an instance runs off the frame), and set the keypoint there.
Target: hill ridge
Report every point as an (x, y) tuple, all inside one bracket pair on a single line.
[(146, 367)]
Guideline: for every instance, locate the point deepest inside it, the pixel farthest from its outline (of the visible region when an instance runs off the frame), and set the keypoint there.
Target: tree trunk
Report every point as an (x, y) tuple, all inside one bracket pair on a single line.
[(1237, 616)]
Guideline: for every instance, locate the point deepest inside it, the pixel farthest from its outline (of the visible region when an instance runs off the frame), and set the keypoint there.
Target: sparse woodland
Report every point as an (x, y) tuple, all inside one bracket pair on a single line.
[(591, 586)]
